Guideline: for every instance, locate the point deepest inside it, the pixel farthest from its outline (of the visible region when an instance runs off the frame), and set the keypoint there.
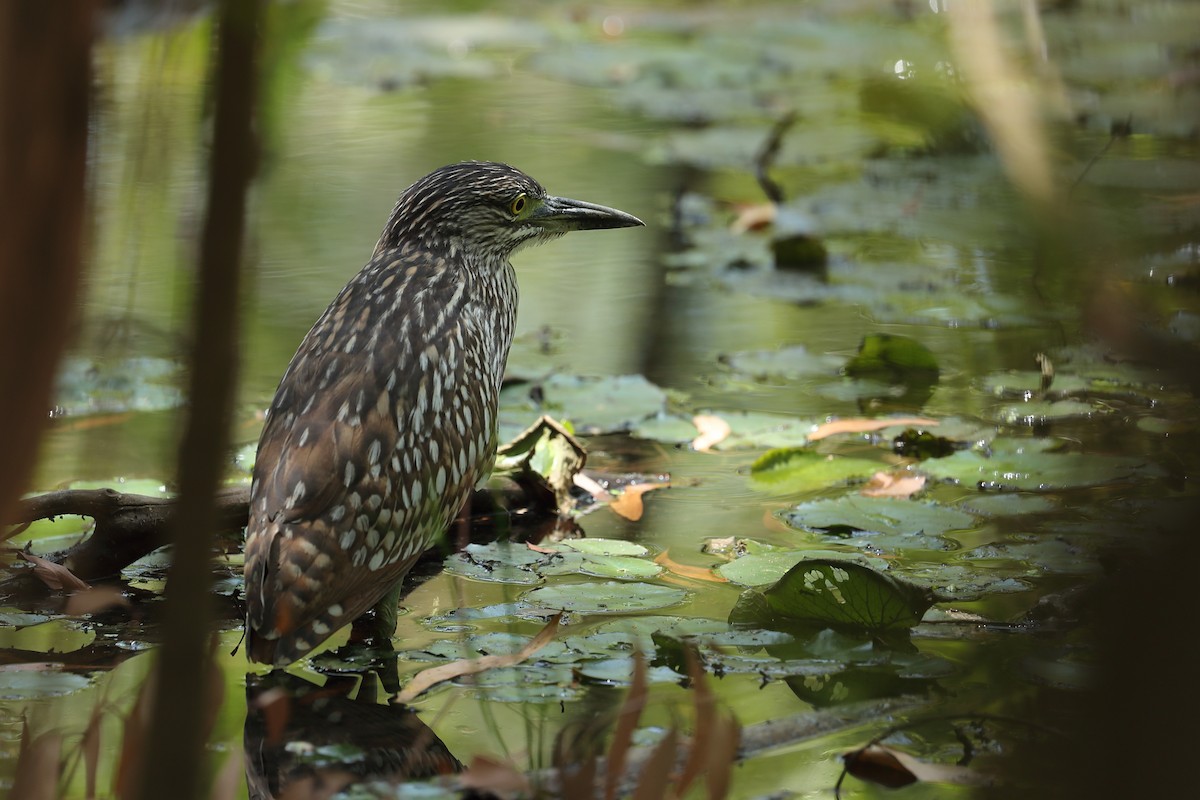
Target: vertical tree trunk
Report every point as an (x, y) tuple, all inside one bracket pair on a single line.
[(173, 763)]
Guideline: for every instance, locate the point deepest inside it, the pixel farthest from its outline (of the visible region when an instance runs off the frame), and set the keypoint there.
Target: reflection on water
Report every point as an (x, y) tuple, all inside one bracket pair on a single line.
[(309, 740)]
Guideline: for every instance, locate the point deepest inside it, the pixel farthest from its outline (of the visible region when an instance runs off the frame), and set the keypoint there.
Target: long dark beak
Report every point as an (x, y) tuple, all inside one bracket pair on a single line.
[(562, 214)]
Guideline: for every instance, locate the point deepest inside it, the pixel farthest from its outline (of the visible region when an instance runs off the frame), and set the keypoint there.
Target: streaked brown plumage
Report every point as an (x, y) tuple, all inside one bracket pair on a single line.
[(386, 417)]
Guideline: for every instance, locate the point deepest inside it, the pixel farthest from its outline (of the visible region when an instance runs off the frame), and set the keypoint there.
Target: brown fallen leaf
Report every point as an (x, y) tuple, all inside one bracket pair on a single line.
[(713, 431), (55, 576), (753, 218), (889, 484), (495, 777), (886, 766), (866, 425), (94, 600), (537, 548), (426, 679), (629, 504), (664, 560)]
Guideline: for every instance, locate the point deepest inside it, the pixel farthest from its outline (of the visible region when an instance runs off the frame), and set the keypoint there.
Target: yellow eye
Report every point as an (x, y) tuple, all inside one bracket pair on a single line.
[(518, 204)]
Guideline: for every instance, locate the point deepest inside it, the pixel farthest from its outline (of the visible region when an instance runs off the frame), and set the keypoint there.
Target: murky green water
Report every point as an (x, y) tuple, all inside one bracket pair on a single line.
[(661, 117)]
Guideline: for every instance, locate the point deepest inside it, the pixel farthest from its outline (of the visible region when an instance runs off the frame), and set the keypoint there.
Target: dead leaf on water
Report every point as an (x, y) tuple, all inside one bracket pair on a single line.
[(713, 431), (664, 560), (866, 425), (55, 576), (754, 218), (886, 766), (629, 503), (889, 484), (94, 600)]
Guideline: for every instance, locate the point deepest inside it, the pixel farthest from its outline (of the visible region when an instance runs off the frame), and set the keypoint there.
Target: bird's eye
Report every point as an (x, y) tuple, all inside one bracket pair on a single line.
[(518, 204)]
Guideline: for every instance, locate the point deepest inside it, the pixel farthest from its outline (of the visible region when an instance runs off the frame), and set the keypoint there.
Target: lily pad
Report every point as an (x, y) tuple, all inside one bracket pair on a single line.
[(841, 594), (103, 386), (787, 362), (1032, 465), (895, 358), (797, 469), (611, 597), (594, 405), (496, 562), (620, 567), (605, 547), (28, 684), (853, 513), (761, 569), (1036, 412)]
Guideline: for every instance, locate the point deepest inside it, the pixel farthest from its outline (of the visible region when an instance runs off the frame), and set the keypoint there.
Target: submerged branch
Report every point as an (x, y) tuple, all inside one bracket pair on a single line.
[(128, 526)]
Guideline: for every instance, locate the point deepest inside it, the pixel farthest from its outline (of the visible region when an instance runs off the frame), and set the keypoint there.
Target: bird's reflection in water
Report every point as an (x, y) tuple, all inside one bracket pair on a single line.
[(306, 741)]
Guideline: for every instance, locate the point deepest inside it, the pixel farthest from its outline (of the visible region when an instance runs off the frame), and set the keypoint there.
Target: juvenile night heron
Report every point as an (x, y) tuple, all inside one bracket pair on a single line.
[(386, 417)]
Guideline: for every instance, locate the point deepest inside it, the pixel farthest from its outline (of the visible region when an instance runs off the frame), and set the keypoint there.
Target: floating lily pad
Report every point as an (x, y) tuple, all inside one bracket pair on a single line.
[(787, 362), (496, 562), (1055, 555), (956, 582), (1008, 504), (28, 684), (594, 405), (669, 428), (1037, 412), (1031, 465), (621, 567), (611, 597), (95, 386), (798, 469), (846, 594), (605, 547), (761, 569), (853, 513), (899, 359)]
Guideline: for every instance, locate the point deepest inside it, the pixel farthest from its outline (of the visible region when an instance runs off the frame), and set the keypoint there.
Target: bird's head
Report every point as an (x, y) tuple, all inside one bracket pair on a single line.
[(489, 209)]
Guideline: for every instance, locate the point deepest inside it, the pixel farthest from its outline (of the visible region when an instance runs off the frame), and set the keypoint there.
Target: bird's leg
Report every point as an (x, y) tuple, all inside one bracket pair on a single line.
[(378, 626)]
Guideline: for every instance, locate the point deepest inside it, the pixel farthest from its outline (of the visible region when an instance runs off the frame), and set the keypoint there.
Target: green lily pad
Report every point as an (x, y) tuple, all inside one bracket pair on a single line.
[(753, 429), (605, 547), (1031, 465), (611, 597), (1008, 504), (761, 569), (28, 684), (668, 428), (496, 562), (797, 469), (103, 386), (620, 567), (846, 594), (1036, 412), (787, 362), (960, 583), (852, 513), (895, 358), (594, 405)]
